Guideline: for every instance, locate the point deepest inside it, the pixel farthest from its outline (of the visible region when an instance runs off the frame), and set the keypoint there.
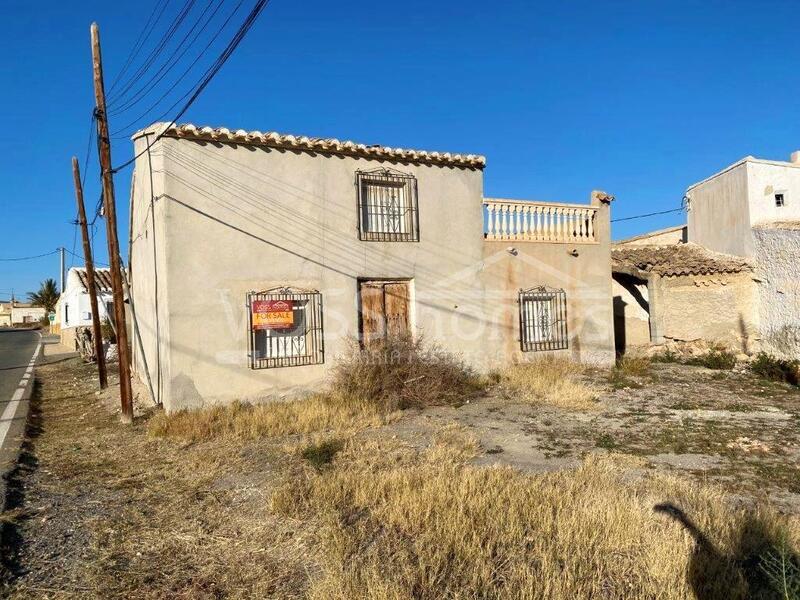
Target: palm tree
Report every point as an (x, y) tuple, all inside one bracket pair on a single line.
[(46, 297)]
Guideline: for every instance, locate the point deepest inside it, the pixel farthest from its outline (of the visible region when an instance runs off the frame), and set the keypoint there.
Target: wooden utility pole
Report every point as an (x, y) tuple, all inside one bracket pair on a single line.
[(97, 335), (111, 227)]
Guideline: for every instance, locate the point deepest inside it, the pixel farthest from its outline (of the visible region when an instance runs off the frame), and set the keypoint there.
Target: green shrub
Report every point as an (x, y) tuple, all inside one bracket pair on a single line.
[(773, 368), (716, 358), (667, 356)]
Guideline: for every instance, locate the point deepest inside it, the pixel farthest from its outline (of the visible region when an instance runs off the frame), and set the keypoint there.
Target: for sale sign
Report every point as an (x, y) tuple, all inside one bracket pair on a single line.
[(273, 314)]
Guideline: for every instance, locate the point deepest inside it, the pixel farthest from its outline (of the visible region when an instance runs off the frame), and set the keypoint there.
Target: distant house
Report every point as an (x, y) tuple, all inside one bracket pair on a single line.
[(74, 309), (5, 314), (256, 257), (739, 273), (20, 313)]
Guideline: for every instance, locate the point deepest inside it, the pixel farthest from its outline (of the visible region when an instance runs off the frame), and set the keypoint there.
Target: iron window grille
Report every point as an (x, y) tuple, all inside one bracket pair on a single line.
[(387, 206), (285, 328), (543, 319), (779, 200)]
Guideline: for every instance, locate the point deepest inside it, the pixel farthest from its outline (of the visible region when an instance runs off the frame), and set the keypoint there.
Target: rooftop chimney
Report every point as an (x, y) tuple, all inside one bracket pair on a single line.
[(795, 158)]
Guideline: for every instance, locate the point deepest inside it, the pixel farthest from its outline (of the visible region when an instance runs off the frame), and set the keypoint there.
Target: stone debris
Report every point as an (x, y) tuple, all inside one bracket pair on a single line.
[(747, 444)]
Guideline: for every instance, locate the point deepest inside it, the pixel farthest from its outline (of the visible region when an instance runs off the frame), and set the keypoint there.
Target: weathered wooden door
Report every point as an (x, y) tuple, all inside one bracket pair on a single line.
[(385, 309)]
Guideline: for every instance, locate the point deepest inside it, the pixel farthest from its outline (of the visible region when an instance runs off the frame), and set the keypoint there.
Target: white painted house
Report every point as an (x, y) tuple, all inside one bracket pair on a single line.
[(752, 209), (74, 307)]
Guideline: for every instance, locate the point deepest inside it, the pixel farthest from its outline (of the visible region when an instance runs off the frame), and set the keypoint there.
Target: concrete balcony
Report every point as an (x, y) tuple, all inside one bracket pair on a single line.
[(553, 222)]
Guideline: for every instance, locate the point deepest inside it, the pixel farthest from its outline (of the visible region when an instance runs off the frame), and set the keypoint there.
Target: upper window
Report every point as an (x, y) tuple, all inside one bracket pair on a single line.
[(387, 206), (779, 201), (543, 319), (285, 328)]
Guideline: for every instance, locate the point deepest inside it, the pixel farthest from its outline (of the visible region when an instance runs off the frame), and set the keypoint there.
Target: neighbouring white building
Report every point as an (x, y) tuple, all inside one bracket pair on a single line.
[(74, 307), (19, 313), (749, 210)]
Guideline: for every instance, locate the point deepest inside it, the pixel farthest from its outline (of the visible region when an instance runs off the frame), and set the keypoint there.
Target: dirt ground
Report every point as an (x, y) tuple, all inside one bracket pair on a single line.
[(93, 499), (725, 427)]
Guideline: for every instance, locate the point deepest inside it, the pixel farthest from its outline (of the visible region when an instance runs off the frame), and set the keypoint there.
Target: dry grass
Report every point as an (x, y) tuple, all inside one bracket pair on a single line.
[(404, 373), (112, 512), (245, 421), (390, 526), (634, 365), (550, 380)]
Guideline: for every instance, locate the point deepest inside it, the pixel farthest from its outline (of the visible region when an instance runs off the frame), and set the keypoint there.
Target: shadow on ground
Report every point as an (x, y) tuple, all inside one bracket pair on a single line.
[(760, 566), (27, 464)]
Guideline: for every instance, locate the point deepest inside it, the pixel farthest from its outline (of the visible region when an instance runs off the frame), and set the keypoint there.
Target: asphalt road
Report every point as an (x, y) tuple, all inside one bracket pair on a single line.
[(17, 349)]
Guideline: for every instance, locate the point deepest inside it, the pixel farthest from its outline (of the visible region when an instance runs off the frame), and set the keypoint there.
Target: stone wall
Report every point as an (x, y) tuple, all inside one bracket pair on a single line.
[(719, 308)]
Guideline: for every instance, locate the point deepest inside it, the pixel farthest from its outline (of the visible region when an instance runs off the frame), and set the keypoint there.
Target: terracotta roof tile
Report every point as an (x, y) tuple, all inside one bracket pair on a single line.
[(675, 259), (327, 145), (102, 279)]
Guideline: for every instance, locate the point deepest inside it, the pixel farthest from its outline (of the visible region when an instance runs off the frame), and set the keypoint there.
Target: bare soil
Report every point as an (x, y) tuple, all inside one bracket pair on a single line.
[(726, 427)]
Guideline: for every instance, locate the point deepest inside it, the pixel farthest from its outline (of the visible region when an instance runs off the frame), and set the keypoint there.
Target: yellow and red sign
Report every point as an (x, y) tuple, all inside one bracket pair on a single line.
[(273, 314)]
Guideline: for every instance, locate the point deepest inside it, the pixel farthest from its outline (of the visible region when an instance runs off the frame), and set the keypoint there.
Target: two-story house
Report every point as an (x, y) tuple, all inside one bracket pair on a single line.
[(752, 209), (256, 258), (735, 279)]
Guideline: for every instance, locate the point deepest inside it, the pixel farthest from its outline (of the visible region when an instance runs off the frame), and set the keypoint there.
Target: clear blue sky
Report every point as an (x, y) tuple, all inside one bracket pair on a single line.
[(640, 99)]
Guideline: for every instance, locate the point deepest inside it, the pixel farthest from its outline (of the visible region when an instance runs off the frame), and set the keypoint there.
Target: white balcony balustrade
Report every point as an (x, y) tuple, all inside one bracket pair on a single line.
[(539, 222)]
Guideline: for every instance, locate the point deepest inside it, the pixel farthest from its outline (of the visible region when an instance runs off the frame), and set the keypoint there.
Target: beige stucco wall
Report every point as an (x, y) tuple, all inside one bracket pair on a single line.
[(230, 219), (719, 213), (586, 278), (778, 271), (147, 265), (716, 308)]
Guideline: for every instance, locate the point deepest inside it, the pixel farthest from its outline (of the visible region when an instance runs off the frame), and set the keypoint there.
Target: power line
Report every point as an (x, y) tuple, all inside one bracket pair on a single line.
[(151, 58), (188, 70), (171, 62), (140, 42), (82, 258), (218, 64), (30, 257), (663, 212), (88, 150)]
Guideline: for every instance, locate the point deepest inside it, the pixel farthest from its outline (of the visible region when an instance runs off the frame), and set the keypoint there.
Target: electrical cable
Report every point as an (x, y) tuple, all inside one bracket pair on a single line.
[(170, 63), (30, 257), (218, 64), (663, 212), (139, 44), (93, 261), (119, 132), (165, 39)]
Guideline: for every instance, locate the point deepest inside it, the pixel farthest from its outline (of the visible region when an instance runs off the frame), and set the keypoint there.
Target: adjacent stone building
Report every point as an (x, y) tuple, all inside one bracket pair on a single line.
[(683, 293), (258, 258), (737, 280)]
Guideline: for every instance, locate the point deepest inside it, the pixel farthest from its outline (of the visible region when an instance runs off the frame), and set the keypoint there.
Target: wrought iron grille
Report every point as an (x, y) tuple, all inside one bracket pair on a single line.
[(285, 328), (543, 319), (387, 206)]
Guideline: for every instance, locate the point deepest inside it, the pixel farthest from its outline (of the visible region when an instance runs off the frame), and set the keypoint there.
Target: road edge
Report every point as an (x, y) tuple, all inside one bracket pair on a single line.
[(21, 412)]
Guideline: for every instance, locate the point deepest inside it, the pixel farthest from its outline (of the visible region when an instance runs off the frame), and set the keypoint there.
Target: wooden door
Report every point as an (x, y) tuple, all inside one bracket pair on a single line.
[(385, 309)]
